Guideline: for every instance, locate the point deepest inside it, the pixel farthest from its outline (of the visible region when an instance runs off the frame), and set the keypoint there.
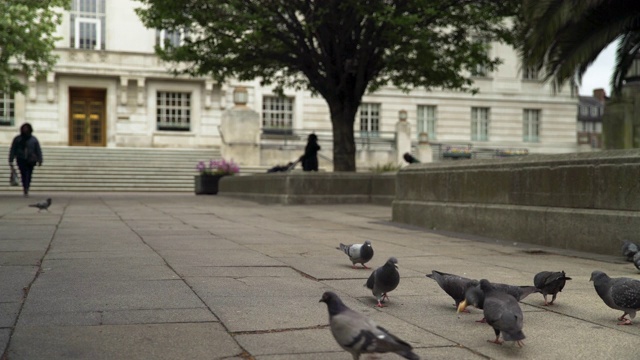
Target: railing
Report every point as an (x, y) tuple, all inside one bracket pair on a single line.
[(456, 151), (297, 138)]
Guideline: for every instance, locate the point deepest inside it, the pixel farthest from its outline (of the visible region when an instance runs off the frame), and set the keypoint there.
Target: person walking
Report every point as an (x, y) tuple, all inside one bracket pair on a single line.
[(25, 148), (310, 158)]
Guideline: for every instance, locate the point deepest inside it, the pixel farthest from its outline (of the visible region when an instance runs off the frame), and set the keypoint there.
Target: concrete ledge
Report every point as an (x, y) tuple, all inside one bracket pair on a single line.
[(312, 188), (584, 202)]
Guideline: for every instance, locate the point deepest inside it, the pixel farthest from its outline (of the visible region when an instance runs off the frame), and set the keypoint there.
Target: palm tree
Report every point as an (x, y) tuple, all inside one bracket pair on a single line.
[(563, 37)]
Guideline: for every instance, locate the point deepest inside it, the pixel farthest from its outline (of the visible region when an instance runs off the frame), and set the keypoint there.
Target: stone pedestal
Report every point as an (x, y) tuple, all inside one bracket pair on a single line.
[(403, 140), (240, 133), (425, 154)]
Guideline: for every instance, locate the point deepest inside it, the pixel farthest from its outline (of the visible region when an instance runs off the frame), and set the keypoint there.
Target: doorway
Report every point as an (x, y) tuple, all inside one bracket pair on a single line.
[(87, 110)]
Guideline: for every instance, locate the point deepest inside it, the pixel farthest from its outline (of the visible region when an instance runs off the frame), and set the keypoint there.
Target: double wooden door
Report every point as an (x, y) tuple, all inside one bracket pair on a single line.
[(87, 124)]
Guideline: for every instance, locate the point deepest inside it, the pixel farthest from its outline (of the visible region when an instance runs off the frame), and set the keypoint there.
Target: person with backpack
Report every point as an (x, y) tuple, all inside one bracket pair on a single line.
[(25, 148)]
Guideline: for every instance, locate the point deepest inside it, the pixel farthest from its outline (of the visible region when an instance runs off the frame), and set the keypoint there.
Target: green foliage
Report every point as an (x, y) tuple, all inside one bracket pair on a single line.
[(26, 41), (388, 167), (339, 49), (563, 38)]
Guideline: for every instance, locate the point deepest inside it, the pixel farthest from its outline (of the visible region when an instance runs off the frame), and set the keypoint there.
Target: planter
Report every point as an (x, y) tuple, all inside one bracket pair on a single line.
[(452, 155), (207, 184)]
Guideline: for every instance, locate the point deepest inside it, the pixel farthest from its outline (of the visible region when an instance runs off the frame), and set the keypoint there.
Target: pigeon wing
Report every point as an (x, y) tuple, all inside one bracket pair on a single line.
[(626, 293)]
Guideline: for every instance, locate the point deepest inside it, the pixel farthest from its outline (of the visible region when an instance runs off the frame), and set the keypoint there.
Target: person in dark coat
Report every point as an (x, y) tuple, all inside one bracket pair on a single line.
[(25, 148), (310, 158)]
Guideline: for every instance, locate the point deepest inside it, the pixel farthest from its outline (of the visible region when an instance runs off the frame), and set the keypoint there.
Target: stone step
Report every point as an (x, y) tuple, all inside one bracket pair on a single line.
[(118, 169)]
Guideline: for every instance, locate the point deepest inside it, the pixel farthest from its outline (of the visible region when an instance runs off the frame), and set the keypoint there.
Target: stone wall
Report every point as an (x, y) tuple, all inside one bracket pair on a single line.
[(585, 202), (312, 188)]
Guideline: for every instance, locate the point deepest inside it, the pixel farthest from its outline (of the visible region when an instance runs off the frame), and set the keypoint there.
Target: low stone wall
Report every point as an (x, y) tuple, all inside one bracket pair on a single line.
[(585, 201), (312, 188)]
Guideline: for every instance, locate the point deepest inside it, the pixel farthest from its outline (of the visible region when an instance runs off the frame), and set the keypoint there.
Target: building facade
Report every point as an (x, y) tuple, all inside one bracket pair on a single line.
[(590, 113), (109, 89)]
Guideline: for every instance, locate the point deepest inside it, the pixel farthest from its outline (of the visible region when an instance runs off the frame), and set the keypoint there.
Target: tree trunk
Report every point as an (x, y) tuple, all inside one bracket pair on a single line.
[(344, 147)]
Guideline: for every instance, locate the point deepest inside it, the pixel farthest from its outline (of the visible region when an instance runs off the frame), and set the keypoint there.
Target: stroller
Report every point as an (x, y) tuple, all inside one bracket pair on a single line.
[(284, 168)]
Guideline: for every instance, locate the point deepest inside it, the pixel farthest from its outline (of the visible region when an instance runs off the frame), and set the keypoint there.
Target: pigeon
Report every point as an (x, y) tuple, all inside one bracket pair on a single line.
[(384, 279), (503, 314), (636, 260), (549, 282), (42, 205), (618, 293), (454, 285), (629, 249), (474, 295), (358, 253), (357, 334)]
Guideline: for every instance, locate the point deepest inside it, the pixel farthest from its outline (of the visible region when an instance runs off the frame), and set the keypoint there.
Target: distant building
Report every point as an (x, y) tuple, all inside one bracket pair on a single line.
[(590, 112), (109, 89)]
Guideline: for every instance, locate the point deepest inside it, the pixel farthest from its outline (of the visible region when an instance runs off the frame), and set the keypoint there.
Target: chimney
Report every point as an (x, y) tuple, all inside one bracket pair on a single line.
[(600, 95)]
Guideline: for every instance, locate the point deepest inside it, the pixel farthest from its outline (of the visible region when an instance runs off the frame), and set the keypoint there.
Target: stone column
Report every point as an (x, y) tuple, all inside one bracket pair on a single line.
[(403, 137), (240, 131), (425, 154)]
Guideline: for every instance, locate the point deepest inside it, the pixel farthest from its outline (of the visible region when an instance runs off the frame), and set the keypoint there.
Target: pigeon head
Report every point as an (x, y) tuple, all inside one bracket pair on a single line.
[(367, 243), (334, 304), (473, 296), (392, 262), (49, 200), (598, 275)]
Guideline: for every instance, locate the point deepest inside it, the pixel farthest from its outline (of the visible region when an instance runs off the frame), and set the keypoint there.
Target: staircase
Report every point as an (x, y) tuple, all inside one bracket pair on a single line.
[(116, 169)]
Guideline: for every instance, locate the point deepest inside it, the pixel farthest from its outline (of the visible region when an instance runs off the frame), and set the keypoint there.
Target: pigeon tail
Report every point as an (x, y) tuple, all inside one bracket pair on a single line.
[(344, 248), (408, 354)]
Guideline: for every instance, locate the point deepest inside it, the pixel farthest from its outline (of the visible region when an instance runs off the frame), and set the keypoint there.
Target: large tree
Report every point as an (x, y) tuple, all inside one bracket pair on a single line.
[(339, 49), (26, 40), (563, 37)]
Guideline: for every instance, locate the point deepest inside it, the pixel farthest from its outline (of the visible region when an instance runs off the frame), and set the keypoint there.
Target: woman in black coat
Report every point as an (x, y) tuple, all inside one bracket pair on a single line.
[(25, 148), (310, 158)]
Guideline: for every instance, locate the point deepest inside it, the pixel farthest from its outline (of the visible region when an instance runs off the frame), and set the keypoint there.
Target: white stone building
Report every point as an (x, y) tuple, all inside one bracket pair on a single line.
[(110, 90)]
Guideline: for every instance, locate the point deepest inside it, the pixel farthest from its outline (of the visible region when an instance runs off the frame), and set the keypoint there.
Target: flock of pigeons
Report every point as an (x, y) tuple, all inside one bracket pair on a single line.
[(357, 334)]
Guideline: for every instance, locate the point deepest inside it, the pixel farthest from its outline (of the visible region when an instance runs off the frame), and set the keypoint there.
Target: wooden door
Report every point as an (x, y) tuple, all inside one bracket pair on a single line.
[(87, 125)]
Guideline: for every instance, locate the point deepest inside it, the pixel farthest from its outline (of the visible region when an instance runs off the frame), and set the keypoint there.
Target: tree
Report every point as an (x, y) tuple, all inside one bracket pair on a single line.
[(339, 49), (563, 37), (26, 41)]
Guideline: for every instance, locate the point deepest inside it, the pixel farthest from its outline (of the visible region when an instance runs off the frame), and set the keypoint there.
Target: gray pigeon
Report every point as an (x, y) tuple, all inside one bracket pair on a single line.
[(550, 282), (454, 285), (629, 249), (636, 260), (474, 295), (42, 205), (358, 253), (383, 280), (358, 334), (503, 314), (618, 293)]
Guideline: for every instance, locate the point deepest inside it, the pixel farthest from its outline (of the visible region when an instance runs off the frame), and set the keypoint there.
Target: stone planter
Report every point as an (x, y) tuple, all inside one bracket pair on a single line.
[(207, 184)]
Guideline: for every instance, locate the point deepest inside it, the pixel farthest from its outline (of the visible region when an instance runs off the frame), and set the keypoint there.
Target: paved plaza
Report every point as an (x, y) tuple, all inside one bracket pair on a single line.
[(179, 276)]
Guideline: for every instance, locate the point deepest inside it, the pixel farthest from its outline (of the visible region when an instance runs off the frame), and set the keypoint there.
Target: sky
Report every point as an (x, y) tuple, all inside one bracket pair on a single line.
[(598, 75)]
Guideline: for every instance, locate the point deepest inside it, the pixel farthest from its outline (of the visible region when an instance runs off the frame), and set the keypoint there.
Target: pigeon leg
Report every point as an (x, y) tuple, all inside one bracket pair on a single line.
[(482, 321), (520, 343), (354, 266), (385, 296), (545, 300), (379, 304), (365, 267), (496, 341), (553, 298), (624, 320)]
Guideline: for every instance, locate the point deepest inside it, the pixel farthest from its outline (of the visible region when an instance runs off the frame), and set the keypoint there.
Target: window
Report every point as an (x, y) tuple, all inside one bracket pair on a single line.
[(88, 24), (479, 124), (481, 70), (173, 111), (584, 110), (531, 125), (427, 120), (594, 111), (369, 120), (7, 109), (530, 73), (173, 38), (277, 114)]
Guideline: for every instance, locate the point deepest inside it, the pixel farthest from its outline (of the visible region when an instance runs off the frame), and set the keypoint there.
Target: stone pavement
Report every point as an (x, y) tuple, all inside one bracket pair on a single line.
[(178, 276)]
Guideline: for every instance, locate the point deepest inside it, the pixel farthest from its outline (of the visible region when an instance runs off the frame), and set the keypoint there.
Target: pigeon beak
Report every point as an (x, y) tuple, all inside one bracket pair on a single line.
[(462, 306)]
